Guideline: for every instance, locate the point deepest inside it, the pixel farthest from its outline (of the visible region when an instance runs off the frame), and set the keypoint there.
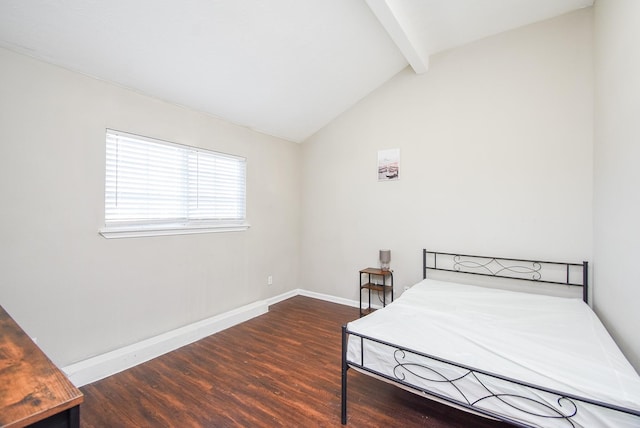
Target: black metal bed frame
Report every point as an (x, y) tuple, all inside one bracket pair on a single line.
[(411, 363)]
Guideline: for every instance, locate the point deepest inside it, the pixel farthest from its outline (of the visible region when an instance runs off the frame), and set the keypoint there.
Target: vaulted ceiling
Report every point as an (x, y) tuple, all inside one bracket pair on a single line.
[(282, 67)]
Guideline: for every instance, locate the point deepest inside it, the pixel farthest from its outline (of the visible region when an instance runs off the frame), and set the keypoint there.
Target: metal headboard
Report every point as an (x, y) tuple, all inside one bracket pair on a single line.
[(573, 274)]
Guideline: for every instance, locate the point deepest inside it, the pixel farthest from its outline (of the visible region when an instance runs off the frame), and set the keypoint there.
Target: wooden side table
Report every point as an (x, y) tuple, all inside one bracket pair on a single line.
[(374, 279), (32, 389)]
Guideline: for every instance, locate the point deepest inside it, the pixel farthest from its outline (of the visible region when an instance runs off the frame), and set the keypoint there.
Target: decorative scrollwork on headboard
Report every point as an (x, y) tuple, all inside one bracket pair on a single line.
[(494, 267), (573, 274)]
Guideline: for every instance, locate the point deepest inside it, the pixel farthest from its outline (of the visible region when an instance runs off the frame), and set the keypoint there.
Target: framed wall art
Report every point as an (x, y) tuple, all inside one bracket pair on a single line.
[(388, 165)]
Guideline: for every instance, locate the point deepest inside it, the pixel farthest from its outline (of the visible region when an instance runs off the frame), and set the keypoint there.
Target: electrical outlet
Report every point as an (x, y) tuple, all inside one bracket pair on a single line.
[(270, 280)]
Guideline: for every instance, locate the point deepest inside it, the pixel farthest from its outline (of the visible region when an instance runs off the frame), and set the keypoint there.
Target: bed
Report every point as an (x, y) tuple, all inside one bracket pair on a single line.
[(529, 359)]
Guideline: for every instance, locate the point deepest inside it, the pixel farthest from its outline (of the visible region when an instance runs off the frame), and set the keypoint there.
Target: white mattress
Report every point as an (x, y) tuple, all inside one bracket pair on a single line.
[(557, 343)]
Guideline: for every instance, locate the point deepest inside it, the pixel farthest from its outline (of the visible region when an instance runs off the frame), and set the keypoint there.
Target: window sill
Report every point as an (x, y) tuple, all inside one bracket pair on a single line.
[(113, 232)]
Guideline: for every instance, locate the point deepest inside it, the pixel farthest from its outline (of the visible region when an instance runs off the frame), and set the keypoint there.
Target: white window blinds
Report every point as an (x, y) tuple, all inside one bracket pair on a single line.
[(154, 184)]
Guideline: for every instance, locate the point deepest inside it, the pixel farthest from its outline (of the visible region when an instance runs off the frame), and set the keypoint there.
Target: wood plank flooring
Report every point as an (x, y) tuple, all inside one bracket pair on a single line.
[(279, 369)]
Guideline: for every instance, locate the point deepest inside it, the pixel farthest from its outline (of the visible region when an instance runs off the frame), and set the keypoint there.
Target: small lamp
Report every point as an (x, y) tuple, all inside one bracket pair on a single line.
[(385, 258)]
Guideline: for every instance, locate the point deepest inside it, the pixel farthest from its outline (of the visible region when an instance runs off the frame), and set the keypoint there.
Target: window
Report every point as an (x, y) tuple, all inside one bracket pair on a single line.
[(156, 188)]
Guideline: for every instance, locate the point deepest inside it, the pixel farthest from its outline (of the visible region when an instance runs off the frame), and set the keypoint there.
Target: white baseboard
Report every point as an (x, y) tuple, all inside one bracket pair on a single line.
[(110, 363), (101, 366), (284, 296), (329, 298)]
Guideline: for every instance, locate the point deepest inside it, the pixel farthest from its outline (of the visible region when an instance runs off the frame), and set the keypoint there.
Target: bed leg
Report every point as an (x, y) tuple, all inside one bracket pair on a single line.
[(345, 367)]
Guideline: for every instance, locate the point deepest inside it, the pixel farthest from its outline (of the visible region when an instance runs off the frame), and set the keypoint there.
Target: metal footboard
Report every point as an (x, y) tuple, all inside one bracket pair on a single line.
[(479, 391)]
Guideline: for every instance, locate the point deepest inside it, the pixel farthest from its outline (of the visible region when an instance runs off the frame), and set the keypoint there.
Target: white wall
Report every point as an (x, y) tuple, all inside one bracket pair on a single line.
[(616, 171), (496, 145), (82, 295)]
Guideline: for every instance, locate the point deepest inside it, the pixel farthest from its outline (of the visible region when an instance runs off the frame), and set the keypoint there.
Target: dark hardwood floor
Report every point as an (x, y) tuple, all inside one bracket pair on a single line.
[(279, 369)]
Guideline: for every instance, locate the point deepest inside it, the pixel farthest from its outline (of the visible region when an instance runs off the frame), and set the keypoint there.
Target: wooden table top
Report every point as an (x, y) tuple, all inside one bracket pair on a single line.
[(377, 271), (32, 388)]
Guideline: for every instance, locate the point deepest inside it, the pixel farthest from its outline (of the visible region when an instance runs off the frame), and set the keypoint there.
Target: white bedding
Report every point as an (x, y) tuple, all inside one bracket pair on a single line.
[(557, 343)]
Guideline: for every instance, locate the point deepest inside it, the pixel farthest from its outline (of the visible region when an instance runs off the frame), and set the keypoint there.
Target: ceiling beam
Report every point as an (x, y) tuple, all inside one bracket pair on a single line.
[(396, 23)]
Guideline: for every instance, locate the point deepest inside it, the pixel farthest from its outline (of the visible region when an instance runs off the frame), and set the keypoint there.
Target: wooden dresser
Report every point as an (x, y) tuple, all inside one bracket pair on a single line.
[(33, 391)]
